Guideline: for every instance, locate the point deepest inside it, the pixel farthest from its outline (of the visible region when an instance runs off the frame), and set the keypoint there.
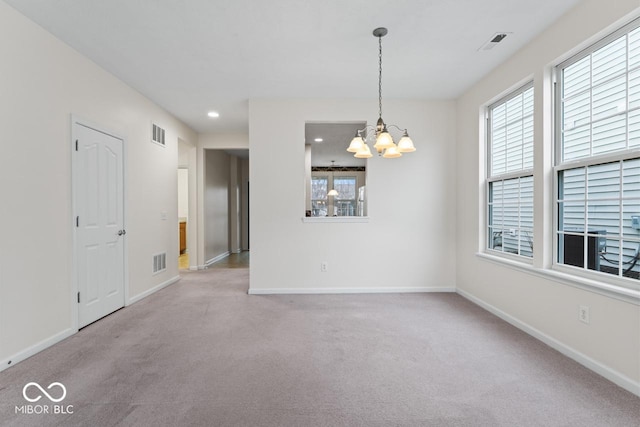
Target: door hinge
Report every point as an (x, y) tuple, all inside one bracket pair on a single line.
[(78, 297), (77, 221), (76, 145)]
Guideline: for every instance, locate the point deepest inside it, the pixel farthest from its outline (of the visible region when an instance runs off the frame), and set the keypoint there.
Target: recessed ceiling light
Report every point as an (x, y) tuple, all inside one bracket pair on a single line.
[(213, 114), (318, 140)]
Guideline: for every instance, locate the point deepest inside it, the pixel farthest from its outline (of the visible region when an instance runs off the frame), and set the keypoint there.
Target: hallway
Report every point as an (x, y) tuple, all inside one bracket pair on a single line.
[(235, 260)]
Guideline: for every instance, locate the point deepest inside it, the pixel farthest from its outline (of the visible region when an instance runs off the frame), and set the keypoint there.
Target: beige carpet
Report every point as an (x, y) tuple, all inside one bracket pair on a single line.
[(204, 353)]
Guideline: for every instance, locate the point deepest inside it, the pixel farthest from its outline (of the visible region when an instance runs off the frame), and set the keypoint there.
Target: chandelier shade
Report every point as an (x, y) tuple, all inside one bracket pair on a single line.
[(384, 140), (405, 145), (364, 152), (391, 153), (356, 144)]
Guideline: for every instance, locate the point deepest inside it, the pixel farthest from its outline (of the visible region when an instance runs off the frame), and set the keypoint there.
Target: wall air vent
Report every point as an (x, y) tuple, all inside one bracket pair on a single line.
[(493, 41), (157, 135), (159, 262)]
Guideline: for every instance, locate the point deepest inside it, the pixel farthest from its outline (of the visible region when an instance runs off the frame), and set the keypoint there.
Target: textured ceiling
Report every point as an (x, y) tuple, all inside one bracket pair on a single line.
[(192, 56)]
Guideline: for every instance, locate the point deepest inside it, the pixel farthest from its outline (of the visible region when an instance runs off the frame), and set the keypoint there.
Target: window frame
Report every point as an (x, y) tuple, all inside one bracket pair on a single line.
[(492, 178), (560, 165)]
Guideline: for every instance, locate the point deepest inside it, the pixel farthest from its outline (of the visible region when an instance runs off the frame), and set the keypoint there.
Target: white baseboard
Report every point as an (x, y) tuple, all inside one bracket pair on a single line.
[(216, 259), (195, 268), (280, 291), (610, 374), (148, 292), (28, 352), (44, 344)]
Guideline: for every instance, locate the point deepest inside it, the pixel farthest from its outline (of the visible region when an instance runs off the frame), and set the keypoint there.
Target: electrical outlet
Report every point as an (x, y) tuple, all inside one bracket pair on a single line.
[(163, 215), (324, 267), (583, 314)]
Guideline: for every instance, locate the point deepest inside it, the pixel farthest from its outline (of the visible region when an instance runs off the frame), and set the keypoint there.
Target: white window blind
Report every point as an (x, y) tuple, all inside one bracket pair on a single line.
[(512, 134), (510, 177), (601, 100)]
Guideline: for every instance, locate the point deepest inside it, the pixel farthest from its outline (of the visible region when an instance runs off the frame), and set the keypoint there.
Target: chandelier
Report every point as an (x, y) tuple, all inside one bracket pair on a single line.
[(385, 146)]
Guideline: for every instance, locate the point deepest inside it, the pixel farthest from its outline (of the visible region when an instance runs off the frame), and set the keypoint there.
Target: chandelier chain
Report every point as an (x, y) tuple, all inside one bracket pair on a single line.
[(380, 76)]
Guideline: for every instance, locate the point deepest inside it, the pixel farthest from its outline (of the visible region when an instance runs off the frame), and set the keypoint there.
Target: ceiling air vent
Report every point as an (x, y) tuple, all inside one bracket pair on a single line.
[(158, 135), (497, 38)]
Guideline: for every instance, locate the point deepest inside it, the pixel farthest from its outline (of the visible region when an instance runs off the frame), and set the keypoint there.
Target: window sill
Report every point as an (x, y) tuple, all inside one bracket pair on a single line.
[(336, 219), (612, 291)]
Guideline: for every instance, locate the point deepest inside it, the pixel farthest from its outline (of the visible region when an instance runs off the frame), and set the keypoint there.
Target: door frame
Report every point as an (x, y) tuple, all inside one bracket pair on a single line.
[(75, 286)]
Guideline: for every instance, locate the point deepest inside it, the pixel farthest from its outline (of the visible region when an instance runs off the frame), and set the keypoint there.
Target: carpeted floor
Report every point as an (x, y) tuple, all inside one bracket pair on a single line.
[(204, 353)]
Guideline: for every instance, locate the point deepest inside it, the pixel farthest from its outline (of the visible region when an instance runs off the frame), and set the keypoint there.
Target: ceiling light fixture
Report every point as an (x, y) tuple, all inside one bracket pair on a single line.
[(318, 140), (384, 145), (213, 114)]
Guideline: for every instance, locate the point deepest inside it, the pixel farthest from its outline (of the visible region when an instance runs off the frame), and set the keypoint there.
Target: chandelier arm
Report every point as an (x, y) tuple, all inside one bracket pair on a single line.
[(367, 127), (397, 127)]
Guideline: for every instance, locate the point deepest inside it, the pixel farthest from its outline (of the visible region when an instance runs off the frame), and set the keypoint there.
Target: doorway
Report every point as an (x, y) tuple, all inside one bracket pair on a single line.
[(183, 217), (225, 209), (187, 230)]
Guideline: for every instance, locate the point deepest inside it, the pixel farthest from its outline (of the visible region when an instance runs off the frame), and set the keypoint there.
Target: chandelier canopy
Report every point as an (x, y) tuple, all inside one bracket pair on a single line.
[(384, 145)]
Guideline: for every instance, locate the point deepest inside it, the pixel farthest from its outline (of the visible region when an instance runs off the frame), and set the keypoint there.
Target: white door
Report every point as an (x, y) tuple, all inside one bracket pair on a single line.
[(99, 203)]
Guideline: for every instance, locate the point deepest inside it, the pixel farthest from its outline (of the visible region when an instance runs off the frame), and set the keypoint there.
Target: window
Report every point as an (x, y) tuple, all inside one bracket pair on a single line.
[(510, 174), (319, 198), (345, 201), (598, 157), (342, 204)]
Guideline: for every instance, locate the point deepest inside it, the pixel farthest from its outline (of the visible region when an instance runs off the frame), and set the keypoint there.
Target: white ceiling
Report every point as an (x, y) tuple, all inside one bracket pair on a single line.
[(192, 56), (331, 151)]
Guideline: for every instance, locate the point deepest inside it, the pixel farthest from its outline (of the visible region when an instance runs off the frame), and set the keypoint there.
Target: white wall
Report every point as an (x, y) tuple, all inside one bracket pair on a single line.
[(183, 155), (44, 82), (244, 204), (216, 204), (307, 177), (610, 344), (408, 243), (183, 194), (235, 184)]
